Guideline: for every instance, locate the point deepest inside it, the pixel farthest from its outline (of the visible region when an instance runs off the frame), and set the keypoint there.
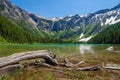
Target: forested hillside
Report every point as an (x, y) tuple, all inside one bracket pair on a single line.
[(11, 33), (14, 34), (110, 35)]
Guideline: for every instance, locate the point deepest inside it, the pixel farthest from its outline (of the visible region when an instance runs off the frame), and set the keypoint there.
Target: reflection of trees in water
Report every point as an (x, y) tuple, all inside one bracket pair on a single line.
[(86, 49)]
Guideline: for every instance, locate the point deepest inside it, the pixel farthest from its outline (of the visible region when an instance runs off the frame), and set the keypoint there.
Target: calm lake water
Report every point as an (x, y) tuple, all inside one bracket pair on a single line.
[(84, 51)]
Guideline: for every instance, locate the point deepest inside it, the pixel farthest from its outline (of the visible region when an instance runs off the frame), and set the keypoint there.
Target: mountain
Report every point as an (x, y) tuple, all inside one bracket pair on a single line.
[(72, 28), (86, 25), (16, 14), (90, 23), (24, 20)]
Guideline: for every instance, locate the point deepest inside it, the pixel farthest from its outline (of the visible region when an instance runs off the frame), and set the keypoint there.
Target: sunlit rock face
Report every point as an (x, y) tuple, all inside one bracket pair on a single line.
[(85, 49)]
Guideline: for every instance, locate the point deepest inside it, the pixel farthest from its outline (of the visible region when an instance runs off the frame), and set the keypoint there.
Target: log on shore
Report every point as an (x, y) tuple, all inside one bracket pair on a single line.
[(92, 68), (112, 66), (10, 68), (48, 55)]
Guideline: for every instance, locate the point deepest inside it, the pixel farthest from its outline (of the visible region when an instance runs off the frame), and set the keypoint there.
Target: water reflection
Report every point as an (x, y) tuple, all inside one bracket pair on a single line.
[(85, 49)]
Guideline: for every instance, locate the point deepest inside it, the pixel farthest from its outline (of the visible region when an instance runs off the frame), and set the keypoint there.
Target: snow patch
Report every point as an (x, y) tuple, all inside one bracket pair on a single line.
[(102, 23), (109, 20), (85, 39), (76, 21), (68, 19), (84, 15), (81, 35), (55, 19), (112, 20), (61, 17)]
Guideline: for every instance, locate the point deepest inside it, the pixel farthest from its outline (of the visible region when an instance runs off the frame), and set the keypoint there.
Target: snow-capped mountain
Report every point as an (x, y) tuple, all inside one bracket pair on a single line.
[(86, 25), (89, 23), (102, 17)]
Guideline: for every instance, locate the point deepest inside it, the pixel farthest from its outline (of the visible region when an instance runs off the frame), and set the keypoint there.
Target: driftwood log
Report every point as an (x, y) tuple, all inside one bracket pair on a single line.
[(67, 63), (111, 66), (92, 68), (10, 68), (10, 63), (71, 66), (49, 57)]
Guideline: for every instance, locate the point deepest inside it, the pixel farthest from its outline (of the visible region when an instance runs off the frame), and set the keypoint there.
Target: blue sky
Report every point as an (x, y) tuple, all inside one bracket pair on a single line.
[(57, 8)]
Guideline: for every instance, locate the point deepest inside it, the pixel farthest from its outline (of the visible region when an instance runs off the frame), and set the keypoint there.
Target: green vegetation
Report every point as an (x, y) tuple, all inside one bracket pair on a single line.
[(2, 40), (91, 29), (110, 35), (69, 35), (13, 33)]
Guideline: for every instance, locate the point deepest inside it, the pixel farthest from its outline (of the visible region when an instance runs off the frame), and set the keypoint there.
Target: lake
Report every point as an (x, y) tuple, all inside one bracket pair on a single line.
[(88, 52)]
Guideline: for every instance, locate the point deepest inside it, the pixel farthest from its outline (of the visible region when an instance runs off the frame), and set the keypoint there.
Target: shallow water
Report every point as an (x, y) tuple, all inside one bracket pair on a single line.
[(85, 51)]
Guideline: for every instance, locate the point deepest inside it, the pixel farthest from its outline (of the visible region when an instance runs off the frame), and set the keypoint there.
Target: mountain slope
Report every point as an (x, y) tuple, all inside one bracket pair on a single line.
[(110, 35), (15, 34), (11, 33), (57, 29)]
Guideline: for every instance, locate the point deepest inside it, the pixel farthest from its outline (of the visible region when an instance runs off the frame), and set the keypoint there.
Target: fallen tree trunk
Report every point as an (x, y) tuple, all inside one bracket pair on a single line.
[(10, 68), (93, 68), (49, 57), (112, 66)]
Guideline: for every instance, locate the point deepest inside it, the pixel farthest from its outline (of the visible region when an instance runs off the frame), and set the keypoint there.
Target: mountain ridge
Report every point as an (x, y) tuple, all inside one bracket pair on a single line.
[(89, 24)]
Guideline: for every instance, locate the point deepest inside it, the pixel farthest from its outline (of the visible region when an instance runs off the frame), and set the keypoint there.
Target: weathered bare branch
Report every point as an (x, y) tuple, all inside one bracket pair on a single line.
[(93, 68), (112, 66)]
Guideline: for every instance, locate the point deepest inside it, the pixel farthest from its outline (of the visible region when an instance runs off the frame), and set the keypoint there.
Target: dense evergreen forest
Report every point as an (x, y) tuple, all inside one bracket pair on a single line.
[(110, 35), (13, 33)]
